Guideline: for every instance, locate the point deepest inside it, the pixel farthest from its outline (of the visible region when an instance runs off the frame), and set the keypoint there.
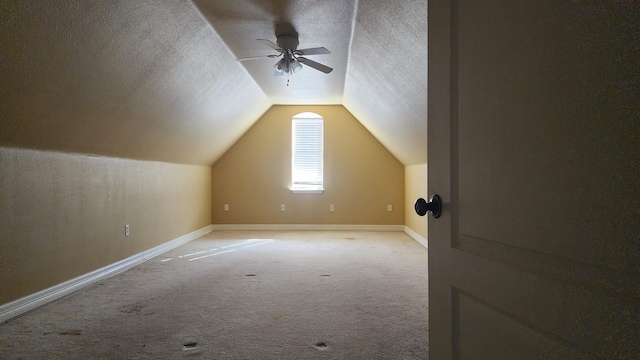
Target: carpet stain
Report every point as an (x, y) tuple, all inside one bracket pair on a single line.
[(321, 345), (190, 345), (273, 316), (71, 332), (132, 308), (325, 275), (250, 275)]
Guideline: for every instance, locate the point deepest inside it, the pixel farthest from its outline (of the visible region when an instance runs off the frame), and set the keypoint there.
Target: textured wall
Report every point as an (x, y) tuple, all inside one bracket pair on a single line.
[(63, 215), (415, 186), (361, 176)]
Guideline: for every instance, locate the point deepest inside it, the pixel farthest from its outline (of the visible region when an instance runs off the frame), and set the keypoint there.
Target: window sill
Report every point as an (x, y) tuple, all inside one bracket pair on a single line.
[(307, 191)]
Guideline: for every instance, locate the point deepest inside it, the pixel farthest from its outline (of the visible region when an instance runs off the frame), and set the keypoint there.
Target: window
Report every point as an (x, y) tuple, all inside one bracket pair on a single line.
[(307, 153)]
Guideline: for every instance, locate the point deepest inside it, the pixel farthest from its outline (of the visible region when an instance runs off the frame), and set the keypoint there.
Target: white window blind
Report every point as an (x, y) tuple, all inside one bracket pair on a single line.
[(307, 149)]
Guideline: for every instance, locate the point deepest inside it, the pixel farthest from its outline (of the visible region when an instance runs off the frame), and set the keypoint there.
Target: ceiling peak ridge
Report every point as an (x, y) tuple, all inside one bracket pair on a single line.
[(356, 6)]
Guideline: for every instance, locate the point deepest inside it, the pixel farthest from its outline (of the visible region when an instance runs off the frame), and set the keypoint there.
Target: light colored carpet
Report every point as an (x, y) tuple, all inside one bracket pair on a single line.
[(245, 295)]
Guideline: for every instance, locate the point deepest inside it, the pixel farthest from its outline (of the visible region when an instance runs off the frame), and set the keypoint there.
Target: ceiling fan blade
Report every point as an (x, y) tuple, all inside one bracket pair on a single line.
[(323, 68), (257, 57), (270, 44), (313, 51)]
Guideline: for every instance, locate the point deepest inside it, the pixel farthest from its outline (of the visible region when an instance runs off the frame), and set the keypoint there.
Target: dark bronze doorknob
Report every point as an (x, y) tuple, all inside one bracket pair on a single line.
[(434, 206)]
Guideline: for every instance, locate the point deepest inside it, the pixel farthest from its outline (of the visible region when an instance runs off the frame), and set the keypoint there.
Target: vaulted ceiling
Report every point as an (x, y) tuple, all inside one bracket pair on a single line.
[(158, 80)]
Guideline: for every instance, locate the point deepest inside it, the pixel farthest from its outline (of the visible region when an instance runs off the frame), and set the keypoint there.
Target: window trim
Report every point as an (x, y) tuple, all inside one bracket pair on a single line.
[(310, 189), (307, 191)]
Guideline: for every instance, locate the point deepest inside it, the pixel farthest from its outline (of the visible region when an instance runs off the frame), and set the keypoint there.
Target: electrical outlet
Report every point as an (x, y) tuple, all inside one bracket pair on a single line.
[(126, 230), (389, 208), (226, 207), (332, 208), (282, 207)]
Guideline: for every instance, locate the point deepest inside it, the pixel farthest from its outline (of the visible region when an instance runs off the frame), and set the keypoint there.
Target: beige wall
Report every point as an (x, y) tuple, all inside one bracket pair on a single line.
[(63, 215), (415, 186), (361, 176)]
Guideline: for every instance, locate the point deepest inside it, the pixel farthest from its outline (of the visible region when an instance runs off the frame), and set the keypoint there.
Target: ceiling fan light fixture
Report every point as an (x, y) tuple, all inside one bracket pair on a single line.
[(287, 68), (280, 66), (295, 66)]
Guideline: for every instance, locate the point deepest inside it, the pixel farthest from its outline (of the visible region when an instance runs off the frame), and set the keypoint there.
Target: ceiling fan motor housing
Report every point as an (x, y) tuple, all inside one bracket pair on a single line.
[(288, 42)]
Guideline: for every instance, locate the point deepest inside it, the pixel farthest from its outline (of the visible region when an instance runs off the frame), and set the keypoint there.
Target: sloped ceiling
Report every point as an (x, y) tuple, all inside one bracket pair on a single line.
[(386, 85), (158, 80), (324, 23)]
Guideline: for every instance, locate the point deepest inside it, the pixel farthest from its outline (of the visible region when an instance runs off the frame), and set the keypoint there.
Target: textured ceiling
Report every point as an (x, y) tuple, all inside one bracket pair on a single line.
[(317, 23), (386, 85), (158, 80)]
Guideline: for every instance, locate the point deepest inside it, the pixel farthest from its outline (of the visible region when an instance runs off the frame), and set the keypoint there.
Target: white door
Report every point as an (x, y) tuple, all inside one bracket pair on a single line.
[(534, 137)]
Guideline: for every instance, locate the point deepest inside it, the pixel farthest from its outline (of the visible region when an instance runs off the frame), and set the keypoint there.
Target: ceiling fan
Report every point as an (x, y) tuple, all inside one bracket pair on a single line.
[(292, 58)]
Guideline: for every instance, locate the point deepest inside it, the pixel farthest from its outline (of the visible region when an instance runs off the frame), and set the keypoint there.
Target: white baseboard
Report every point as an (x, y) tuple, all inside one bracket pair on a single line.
[(314, 227), (416, 237), (18, 307)]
